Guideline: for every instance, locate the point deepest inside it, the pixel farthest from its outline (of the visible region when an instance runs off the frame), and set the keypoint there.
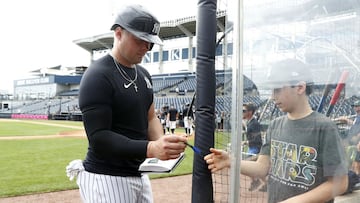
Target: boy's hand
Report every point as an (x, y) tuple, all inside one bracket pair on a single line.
[(217, 160)]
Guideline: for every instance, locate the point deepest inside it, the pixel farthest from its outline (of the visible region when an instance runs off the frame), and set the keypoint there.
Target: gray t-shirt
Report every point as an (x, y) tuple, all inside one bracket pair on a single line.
[(303, 153)]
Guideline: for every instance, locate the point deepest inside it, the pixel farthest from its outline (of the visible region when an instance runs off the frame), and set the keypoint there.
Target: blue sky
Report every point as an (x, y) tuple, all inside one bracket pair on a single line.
[(40, 33)]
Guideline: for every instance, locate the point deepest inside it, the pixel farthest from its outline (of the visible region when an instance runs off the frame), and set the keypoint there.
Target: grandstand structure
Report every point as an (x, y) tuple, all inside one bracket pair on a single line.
[(54, 90), (324, 34)]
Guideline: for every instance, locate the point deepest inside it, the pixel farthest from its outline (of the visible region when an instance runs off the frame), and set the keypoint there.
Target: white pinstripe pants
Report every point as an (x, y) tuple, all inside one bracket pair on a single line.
[(99, 188)]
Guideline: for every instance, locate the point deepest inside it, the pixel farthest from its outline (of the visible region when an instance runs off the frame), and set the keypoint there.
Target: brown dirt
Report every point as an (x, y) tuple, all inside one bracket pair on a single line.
[(170, 190), (65, 134), (77, 132)]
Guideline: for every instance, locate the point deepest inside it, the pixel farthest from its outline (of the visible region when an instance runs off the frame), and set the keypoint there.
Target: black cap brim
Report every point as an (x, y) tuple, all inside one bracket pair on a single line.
[(146, 36)]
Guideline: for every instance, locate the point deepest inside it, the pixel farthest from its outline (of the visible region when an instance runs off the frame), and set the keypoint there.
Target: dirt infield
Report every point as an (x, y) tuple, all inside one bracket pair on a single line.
[(170, 190), (77, 132), (165, 190)]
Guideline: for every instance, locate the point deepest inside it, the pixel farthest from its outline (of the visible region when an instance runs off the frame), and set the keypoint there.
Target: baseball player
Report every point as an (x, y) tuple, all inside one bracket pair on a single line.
[(116, 99)]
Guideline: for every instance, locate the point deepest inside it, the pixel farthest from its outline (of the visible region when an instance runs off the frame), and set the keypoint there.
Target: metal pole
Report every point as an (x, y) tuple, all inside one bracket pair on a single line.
[(237, 102)]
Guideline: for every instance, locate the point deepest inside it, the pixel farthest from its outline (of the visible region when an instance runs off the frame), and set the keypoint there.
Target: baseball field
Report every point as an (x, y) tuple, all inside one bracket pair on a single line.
[(34, 154)]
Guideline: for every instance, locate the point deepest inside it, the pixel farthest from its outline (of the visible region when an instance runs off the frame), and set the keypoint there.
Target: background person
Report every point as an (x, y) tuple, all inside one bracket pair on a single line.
[(116, 99), (352, 139), (188, 119), (217, 120), (253, 139), (163, 119), (356, 162), (353, 135), (303, 155), (252, 129), (172, 117)]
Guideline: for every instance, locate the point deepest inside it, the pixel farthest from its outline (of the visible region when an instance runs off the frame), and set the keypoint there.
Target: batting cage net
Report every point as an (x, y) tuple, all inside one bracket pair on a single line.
[(324, 35)]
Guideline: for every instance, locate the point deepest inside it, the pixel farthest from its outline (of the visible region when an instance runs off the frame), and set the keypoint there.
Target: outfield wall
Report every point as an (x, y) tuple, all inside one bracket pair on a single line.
[(5, 115), (30, 116)]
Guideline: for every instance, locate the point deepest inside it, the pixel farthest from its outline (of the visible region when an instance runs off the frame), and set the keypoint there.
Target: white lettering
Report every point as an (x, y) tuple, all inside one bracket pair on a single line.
[(156, 28)]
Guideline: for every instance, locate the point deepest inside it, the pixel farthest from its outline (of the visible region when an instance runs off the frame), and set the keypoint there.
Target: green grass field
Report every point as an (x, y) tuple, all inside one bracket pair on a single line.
[(35, 127), (38, 165)]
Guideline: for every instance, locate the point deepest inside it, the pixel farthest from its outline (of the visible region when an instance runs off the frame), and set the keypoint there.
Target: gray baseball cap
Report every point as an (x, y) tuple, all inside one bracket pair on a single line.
[(287, 72), (140, 22), (356, 103)]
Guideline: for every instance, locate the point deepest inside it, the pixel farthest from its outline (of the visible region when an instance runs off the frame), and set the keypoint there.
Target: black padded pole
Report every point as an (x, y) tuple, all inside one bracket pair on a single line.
[(202, 188)]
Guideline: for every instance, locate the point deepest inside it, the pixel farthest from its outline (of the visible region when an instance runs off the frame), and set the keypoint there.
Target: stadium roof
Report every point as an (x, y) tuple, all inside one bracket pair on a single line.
[(299, 11), (186, 26), (181, 27), (302, 11)]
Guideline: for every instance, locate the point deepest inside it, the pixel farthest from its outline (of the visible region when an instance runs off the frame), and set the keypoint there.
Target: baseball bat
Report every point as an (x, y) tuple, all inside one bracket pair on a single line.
[(325, 92), (338, 89), (264, 110), (191, 104)]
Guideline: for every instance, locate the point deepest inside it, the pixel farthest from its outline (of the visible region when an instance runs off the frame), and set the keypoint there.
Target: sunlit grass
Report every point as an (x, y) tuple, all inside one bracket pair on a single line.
[(38, 165), (41, 127)]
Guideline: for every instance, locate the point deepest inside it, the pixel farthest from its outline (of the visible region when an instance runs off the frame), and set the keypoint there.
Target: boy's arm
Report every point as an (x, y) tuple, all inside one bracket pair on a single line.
[(258, 168), (334, 186), (219, 159)]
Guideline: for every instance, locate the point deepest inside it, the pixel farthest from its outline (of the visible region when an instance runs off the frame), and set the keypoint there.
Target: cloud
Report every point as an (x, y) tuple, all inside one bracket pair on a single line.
[(40, 33)]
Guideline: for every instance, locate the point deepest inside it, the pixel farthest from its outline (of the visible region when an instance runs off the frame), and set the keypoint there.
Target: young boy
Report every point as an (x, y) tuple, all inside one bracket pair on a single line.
[(302, 154)]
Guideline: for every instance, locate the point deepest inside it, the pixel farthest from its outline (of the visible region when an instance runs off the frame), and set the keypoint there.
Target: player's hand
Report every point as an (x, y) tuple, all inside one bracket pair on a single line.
[(166, 147), (217, 160)]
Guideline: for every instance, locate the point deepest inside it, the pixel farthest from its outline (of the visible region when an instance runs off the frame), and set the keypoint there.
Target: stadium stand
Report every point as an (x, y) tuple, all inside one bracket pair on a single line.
[(65, 104)]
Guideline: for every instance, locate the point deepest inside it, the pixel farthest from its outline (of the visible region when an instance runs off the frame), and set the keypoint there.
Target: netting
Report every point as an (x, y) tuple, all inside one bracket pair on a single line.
[(323, 34)]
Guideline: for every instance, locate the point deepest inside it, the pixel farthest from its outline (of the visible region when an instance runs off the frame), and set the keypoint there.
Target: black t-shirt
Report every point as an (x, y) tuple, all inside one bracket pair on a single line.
[(115, 117), (172, 112)]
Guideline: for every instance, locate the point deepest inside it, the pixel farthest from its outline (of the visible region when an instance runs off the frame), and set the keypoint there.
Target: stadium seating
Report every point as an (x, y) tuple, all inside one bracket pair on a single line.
[(168, 89)]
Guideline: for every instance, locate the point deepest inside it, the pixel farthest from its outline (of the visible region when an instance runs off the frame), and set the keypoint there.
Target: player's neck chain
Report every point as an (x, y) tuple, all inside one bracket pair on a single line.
[(126, 76)]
